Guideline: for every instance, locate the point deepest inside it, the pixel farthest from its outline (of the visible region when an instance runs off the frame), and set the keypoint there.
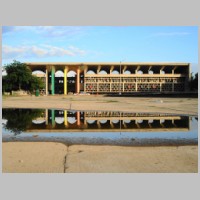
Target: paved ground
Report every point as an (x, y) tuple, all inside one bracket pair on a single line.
[(99, 102), (58, 158), (46, 157), (32, 157)]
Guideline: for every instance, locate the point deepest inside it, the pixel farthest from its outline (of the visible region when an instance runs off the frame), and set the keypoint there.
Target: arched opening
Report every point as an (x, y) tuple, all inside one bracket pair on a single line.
[(127, 121), (150, 121), (102, 72), (115, 72), (71, 120), (71, 81), (162, 121), (150, 72), (38, 121), (90, 72), (115, 121), (139, 72), (59, 82), (92, 124), (127, 72), (59, 120), (59, 73), (162, 72), (103, 121), (38, 73), (89, 121)]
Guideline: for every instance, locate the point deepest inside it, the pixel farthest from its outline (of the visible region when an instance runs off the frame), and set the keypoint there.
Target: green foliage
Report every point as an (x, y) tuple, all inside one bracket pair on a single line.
[(194, 82), (19, 119), (19, 76), (6, 84), (35, 83)]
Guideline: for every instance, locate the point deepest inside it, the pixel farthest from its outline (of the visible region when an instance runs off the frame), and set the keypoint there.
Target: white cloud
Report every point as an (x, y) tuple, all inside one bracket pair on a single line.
[(58, 51), (38, 51), (171, 34), (8, 49), (59, 31), (77, 50), (10, 52), (47, 31)]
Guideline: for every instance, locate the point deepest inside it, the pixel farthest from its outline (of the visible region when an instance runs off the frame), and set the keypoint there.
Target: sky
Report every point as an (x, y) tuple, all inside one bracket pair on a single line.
[(100, 44)]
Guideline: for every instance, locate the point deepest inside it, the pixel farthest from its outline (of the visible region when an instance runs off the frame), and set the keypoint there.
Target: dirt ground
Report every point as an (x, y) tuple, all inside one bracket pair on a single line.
[(99, 102), (48, 157)]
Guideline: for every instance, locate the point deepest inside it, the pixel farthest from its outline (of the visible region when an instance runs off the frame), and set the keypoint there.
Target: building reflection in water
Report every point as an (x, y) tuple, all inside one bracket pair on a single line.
[(100, 121)]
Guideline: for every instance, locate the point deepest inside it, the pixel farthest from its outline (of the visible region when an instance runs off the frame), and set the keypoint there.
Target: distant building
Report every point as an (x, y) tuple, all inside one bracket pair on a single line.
[(105, 78)]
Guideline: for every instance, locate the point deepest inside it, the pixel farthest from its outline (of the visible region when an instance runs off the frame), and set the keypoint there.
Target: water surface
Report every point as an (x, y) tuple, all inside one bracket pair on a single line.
[(98, 127)]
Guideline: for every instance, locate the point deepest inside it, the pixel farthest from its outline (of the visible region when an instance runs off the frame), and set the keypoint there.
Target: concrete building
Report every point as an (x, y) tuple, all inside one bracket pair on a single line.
[(106, 121), (105, 78)]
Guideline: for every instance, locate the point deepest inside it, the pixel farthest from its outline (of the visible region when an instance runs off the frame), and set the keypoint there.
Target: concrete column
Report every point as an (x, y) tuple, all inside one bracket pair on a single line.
[(162, 124), (53, 80), (124, 124), (78, 118), (46, 116), (124, 69), (149, 68), (136, 85), (161, 69), (138, 125), (85, 71), (111, 124), (47, 84), (111, 69), (85, 122), (65, 80), (137, 69), (53, 118), (78, 80), (98, 124), (149, 125), (98, 69), (65, 118), (174, 69)]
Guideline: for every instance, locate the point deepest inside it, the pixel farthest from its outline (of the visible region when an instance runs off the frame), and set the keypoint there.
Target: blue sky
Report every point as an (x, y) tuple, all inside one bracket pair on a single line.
[(100, 44)]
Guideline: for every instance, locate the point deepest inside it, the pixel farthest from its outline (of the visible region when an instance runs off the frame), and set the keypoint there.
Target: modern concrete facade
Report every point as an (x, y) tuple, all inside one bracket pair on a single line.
[(104, 78), (105, 121)]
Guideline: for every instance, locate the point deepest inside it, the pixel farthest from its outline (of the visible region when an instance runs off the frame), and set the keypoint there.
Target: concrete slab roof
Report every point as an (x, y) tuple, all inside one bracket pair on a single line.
[(107, 63)]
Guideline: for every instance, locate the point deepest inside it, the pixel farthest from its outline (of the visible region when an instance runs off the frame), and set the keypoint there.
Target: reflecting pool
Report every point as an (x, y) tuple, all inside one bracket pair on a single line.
[(98, 127)]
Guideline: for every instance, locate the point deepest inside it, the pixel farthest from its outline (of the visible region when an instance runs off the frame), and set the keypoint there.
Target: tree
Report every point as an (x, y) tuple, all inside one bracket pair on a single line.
[(35, 83), (194, 82), (6, 85), (19, 120), (19, 76)]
